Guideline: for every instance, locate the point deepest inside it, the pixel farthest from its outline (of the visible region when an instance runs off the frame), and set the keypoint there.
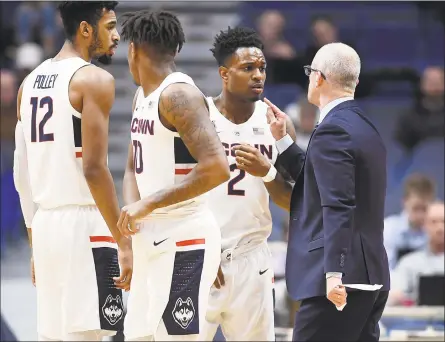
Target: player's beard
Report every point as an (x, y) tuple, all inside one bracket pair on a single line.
[(97, 45), (105, 59)]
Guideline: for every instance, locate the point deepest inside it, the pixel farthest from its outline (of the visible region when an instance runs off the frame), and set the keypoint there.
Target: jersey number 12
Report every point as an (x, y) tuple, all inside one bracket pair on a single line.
[(47, 102)]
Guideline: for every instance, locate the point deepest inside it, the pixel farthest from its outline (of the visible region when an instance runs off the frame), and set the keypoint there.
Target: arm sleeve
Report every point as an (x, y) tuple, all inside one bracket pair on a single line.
[(21, 176), (334, 168), (291, 157)]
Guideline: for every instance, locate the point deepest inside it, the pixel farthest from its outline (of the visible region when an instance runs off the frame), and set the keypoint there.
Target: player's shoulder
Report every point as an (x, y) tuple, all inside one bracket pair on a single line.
[(92, 76), (92, 80), (178, 91)]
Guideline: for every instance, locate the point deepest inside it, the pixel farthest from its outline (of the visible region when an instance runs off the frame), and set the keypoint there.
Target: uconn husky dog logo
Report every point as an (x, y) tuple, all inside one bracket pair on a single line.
[(184, 312), (113, 310)]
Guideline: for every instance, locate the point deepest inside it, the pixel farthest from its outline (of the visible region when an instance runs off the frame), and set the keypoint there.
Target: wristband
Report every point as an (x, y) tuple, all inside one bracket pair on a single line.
[(270, 175)]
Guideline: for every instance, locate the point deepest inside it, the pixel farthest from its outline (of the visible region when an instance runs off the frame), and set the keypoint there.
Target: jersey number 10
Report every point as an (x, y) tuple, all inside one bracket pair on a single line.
[(138, 163), (47, 102)]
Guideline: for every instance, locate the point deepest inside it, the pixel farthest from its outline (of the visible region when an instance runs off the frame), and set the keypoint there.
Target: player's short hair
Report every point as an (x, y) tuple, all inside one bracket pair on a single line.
[(227, 42), (159, 29), (74, 12), (419, 185)]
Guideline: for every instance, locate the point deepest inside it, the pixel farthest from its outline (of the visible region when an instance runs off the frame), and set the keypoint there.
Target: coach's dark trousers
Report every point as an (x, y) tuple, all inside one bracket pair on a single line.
[(319, 320)]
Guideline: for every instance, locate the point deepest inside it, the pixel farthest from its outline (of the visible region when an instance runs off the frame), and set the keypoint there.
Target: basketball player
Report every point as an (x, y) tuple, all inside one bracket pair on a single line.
[(242, 299), (176, 157), (60, 168)]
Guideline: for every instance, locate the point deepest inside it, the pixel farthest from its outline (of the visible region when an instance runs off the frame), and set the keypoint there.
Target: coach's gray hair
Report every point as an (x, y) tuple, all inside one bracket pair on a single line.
[(340, 64)]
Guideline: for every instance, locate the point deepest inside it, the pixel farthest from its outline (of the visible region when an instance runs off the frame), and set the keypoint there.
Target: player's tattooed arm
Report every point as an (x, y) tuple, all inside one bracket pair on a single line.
[(130, 187), (184, 108), (97, 89)]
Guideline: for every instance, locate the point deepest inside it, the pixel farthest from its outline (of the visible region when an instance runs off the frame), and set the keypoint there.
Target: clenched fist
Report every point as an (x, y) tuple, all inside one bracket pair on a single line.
[(249, 159)]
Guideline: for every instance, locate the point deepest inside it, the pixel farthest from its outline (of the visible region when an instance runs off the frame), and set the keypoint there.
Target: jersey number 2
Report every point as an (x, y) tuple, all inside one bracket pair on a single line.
[(231, 185), (47, 102)]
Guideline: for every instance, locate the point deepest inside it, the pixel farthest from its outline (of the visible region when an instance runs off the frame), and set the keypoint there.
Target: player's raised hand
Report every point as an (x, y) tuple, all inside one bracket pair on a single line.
[(129, 214), (249, 159), (276, 119), (125, 254)]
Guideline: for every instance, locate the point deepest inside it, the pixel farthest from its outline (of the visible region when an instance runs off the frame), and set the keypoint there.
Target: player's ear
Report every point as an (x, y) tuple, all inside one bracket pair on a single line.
[(85, 29), (223, 72)]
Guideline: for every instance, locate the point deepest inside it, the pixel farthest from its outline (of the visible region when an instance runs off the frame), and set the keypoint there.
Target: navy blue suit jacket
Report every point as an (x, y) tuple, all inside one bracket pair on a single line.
[(337, 205)]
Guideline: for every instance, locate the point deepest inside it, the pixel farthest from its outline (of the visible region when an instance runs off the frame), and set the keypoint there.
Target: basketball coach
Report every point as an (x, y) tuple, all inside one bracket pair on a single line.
[(337, 207)]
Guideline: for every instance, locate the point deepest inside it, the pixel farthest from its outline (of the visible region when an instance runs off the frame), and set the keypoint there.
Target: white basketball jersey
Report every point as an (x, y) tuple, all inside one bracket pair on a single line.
[(52, 129), (161, 158), (241, 205)]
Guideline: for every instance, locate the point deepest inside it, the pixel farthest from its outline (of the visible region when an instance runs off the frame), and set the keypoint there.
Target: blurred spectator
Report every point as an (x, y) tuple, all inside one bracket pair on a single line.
[(323, 32), (28, 57), (37, 22), (426, 118), (8, 117), (270, 27), (404, 232), (425, 262), (290, 70), (304, 116)]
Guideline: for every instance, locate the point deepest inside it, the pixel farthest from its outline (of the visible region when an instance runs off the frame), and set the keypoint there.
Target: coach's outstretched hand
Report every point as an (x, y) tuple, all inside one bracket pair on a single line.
[(276, 119)]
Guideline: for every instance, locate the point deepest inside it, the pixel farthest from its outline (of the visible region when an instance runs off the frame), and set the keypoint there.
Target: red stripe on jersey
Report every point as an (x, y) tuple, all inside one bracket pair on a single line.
[(102, 239), (273, 280), (78, 154), (190, 242), (182, 171)]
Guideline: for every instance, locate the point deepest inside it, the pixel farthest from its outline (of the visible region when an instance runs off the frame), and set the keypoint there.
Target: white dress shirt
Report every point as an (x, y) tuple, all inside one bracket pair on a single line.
[(284, 143)]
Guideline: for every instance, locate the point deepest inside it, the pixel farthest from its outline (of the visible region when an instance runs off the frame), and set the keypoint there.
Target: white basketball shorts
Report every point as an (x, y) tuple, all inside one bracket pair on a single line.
[(244, 306), (75, 259), (175, 262)]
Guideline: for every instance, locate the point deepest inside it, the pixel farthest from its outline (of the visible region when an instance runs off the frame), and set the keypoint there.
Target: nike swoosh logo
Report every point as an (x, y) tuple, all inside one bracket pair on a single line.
[(158, 243), (262, 272)]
